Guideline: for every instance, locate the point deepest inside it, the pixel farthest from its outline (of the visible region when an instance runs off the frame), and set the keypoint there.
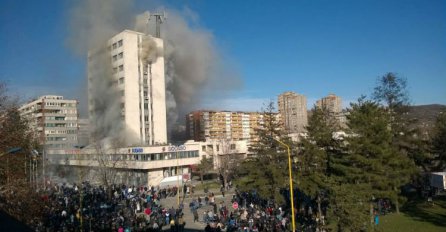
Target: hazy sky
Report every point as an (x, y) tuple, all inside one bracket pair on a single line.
[(310, 47)]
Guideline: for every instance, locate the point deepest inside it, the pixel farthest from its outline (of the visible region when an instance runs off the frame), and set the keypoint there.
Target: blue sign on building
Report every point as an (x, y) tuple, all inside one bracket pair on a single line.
[(137, 150)]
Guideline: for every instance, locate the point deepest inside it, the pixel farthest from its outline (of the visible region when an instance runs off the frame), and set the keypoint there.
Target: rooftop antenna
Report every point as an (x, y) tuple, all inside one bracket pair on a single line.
[(159, 17)]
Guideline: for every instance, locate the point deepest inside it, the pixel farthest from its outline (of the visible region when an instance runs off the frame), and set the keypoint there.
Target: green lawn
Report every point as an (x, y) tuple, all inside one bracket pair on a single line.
[(418, 216)]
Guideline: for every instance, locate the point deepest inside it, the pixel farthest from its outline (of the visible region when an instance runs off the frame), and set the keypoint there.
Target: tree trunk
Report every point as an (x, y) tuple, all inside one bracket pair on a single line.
[(371, 214), (201, 177), (397, 205), (321, 218)]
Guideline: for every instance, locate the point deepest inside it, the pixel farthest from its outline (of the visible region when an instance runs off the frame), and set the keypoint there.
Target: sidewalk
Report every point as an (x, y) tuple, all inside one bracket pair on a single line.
[(188, 216)]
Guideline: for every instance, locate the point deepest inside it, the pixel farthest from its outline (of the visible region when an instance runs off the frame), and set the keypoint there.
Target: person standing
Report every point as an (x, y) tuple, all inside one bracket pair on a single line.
[(222, 190), (181, 224), (195, 212)]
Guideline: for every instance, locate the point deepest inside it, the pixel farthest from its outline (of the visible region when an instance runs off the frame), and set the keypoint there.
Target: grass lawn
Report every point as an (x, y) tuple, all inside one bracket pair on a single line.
[(417, 216)]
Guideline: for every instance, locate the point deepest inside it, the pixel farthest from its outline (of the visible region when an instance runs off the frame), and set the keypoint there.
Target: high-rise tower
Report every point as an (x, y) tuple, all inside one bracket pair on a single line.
[(332, 103), (293, 111), (126, 86)]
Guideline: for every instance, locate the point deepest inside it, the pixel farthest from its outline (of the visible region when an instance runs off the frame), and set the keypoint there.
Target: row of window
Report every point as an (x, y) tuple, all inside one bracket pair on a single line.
[(62, 132), (117, 44), (60, 104), (140, 157), (120, 68), (60, 124), (61, 138), (118, 56)]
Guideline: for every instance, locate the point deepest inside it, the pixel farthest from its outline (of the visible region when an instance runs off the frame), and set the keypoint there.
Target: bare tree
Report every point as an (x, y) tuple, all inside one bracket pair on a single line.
[(108, 161), (228, 160), (205, 165)]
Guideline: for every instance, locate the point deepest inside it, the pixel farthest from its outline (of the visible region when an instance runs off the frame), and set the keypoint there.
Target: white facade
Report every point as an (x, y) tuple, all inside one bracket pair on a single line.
[(54, 119), (148, 165), (137, 65)]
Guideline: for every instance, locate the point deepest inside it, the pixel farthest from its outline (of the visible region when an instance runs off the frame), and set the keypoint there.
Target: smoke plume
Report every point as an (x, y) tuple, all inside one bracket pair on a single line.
[(192, 61)]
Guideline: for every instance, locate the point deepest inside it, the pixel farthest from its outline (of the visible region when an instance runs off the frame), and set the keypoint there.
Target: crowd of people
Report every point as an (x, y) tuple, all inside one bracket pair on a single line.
[(128, 208), (95, 208), (254, 214)]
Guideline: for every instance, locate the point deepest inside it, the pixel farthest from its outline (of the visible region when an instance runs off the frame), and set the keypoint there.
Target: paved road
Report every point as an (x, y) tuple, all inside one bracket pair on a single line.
[(188, 216)]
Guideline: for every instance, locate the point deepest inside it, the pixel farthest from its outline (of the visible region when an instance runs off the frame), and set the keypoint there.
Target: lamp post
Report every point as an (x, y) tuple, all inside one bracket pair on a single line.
[(177, 149), (291, 182)]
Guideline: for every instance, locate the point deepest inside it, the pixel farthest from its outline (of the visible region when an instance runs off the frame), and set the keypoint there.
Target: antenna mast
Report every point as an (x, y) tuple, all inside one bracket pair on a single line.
[(159, 17)]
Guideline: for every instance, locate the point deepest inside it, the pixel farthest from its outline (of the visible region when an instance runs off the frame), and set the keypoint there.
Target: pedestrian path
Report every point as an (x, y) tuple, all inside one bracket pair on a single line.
[(188, 215)]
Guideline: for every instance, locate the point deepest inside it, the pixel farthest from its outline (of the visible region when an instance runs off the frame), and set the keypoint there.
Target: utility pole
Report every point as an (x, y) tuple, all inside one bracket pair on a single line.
[(159, 18)]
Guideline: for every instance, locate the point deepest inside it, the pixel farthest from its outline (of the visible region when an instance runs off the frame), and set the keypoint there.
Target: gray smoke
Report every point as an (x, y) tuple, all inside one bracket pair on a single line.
[(192, 62), (91, 24)]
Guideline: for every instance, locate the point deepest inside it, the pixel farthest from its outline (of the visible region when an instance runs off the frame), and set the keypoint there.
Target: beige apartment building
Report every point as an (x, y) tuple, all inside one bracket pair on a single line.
[(54, 119), (293, 111), (332, 103), (224, 125)]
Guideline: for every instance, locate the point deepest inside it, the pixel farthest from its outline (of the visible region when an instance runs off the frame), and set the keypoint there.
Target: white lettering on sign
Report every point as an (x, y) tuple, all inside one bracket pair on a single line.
[(137, 150)]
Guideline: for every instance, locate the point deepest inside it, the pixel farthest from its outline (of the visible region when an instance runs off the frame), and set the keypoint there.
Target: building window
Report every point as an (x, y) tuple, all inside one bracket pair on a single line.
[(121, 67), (121, 55), (146, 106), (115, 70), (145, 93), (115, 58), (115, 46), (121, 80), (120, 43), (233, 146), (146, 118)]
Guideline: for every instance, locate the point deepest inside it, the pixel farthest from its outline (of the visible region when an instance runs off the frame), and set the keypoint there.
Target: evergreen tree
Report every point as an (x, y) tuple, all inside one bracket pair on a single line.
[(392, 94), (314, 156), (439, 142), (371, 167), (266, 171)]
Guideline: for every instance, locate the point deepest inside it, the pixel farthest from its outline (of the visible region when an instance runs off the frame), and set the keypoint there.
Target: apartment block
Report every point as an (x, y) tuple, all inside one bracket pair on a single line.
[(293, 111), (224, 125), (332, 103), (54, 119)]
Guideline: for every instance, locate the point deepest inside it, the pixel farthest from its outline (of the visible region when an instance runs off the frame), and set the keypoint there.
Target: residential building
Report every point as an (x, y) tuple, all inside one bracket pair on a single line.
[(293, 111), (224, 125), (83, 134), (332, 103), (137, 71), (54, 119)]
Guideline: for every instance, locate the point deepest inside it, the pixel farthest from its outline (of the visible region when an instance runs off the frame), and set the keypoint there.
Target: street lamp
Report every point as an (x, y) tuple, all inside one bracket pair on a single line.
[(177, 150), (291, 182)]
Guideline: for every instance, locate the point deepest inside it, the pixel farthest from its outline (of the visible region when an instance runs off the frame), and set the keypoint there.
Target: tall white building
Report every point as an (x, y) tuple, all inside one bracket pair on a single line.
[(54, 119), (293, 111), (137, 69)]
